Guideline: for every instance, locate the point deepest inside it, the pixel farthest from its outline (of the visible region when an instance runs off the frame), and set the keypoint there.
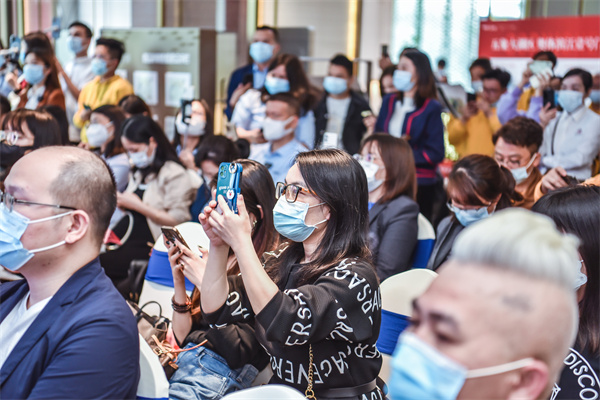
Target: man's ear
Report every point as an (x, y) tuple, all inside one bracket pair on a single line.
[(79, 225), (531, 381)]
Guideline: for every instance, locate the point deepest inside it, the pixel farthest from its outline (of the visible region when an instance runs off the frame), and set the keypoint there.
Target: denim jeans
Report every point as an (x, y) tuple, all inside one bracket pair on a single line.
[(203, 374)]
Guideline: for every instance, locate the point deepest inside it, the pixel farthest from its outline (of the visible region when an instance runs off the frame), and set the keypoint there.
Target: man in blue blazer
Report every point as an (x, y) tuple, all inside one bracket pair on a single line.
[(65, 330), (264, 46)]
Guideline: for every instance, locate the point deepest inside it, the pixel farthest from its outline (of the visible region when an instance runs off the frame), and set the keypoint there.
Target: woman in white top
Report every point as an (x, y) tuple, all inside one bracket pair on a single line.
[(285, 74)]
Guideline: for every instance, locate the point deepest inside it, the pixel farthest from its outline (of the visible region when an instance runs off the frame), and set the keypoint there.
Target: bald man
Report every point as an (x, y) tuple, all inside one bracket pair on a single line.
[(65, 330), (498, 320)]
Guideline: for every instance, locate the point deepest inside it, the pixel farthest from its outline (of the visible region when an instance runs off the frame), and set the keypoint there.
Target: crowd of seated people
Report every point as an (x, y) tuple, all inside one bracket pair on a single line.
[(331, 204)]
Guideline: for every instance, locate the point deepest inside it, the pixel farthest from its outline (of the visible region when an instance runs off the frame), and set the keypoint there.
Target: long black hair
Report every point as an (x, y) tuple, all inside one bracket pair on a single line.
[(576, 210), (339, 181), (425, 81), (139, 129)]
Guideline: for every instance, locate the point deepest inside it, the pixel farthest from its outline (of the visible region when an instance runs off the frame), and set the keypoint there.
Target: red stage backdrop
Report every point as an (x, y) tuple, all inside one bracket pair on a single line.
[(567, 37)]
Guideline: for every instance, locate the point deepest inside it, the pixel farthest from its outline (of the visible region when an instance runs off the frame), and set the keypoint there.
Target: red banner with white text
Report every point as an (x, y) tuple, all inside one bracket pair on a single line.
[(567, 37)]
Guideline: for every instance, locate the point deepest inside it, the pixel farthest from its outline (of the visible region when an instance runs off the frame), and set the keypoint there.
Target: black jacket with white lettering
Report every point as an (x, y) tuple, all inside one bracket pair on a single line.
[(339, 315)]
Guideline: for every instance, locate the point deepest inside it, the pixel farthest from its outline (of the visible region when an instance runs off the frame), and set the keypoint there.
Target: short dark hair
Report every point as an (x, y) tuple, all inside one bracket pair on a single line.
[(501, 76), (343, 61), (86, 183), (270, 28), (4, 106), (88, 31), (38, 39), (115, 47), (441, 63), (217, 148), (585, 76), (482, 63), (521, 131), (288, 99), (132, 105), (548, 54), (399, 162)]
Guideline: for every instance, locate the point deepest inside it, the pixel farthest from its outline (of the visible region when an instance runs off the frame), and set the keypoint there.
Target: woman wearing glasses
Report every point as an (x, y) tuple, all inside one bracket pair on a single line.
[(393, 211), (22, 131), (315, 303), (477, 187)]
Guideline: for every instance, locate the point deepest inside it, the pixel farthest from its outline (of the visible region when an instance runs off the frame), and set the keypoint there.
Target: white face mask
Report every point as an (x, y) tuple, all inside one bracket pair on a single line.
[(273, 129), (97, 134), (141, 159), (371, 170), (521, 173), (581, 277)]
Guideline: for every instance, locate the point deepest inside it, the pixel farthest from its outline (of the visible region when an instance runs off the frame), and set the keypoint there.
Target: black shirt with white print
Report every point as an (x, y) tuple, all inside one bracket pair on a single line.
[(579, 377), (338, 314)]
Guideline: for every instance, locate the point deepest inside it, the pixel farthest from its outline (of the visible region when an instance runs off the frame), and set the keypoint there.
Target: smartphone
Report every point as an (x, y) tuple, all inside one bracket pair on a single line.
[(549, 96), (471, 97), (172, 234), (384, 51), (228, 183), (186, 111), (248, 79), (366, 113)]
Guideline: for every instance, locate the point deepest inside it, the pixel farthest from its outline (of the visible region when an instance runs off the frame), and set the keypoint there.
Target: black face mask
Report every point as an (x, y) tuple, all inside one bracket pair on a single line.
[(11, 154)]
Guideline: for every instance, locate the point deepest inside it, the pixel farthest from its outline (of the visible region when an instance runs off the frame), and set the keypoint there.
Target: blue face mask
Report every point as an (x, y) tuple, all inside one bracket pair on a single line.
[(261, 52), (402, 80), (594, 96), (570, 100), (289, 219), (477, 86), (12, 226), (420, 371), (276, 85), (467, 217), (521, 173), (33, 73), (75, 44), (99, 67), (335, 85)]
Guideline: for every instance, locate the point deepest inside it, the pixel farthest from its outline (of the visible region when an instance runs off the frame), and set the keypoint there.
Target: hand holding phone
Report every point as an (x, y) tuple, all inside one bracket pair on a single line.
[(228, 183), (172, 235)]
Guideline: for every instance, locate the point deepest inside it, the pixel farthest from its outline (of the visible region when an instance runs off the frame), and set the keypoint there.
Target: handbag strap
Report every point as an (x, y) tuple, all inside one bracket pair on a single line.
[(309, 392), (162, 349), (159, 316)]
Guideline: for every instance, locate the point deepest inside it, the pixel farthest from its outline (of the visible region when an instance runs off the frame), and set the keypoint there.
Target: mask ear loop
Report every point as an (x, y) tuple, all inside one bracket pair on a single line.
[(499, 369)]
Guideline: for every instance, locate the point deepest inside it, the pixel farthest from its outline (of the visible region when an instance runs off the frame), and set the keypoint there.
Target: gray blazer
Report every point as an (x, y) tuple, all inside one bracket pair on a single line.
[(447, 231), (393, 235)]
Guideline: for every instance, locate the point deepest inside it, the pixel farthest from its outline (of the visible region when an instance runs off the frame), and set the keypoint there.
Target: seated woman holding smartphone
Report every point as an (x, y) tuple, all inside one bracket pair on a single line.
[(315, 303), (232, 354), (393, 211), (477, 187)]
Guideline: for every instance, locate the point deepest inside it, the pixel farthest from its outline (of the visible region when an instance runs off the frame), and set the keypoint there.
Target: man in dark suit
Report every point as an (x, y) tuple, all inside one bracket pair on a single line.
[(65, 330), (338, 116), (264, 46)]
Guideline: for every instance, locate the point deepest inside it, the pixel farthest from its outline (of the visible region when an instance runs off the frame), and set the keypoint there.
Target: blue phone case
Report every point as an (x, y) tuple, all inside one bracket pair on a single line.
[(228, 183)]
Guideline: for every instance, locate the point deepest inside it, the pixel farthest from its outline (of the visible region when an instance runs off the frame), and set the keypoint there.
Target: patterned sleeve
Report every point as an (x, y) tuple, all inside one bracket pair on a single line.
[(236, 308), (341, 305)]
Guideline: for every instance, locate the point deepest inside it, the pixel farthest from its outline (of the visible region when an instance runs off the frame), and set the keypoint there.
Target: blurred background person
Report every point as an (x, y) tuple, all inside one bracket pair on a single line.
[(40, 74), (477, 187), (190, 132), (576, 210), (477, 69), (134, 105), (393, 211)]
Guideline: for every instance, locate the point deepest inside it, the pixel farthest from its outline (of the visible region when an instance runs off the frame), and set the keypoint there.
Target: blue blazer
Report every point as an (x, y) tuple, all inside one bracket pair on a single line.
[(424, 130), (84, 344), (236, 78)]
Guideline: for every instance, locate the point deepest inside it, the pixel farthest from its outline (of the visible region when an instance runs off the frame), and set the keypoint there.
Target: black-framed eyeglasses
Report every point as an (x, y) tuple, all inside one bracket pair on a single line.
[(289, 191), (9, 201)]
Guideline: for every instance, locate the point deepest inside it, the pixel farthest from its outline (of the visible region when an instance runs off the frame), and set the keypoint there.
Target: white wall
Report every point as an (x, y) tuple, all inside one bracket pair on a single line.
[(106, 13)]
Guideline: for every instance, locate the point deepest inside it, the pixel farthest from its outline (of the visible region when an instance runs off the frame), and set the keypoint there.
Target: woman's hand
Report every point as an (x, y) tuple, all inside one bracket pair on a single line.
[(176, 266), (129, 201), (369, 122), (234, 229), (187, 159), (186, 263), (213, 236), (547, 114)]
